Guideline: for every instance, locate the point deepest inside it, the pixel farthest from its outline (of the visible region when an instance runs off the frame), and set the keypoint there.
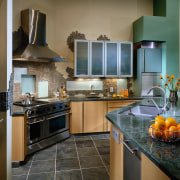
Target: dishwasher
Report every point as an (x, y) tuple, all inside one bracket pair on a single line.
[(132, 161)]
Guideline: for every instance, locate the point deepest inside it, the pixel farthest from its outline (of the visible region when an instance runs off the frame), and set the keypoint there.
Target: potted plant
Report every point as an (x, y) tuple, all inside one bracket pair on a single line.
[(172, 86)]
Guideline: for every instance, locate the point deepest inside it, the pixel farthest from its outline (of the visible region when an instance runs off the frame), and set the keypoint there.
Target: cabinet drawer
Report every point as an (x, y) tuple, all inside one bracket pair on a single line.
[(120, 103)]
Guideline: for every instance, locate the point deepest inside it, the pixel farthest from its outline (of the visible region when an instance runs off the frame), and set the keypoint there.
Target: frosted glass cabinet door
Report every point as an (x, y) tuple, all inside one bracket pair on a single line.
[(97, 58), (111, 59), (126, 59), (81, 58)]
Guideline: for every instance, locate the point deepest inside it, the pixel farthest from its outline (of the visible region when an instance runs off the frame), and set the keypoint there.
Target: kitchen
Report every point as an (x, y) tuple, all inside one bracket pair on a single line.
[(124, 13)]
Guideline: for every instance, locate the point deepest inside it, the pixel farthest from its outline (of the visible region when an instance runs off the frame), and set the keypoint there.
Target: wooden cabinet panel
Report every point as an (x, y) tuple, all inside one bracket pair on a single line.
[(116, 157), (120, 103), (19, 137), (150, 171), (76, 117), (94, 115)]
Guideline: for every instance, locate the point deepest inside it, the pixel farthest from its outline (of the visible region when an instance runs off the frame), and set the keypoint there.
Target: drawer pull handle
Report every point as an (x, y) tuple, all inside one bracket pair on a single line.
[(133, 151), (1, 120)]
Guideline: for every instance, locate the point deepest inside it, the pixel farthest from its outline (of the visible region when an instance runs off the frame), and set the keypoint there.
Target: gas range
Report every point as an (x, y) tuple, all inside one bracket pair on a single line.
[(39, 101), (47, 122)]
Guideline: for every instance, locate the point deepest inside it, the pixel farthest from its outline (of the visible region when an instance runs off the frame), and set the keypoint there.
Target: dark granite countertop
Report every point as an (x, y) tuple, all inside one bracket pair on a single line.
[(17, 110), (165, 155)]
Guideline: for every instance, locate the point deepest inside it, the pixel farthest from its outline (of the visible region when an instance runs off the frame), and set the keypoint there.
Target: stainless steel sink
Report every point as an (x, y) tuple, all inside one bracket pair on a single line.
[(93, 97), (142, 111)]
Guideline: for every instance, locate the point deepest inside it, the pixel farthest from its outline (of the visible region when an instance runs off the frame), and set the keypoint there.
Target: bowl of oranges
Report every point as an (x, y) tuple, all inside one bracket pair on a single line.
[(164, 129)]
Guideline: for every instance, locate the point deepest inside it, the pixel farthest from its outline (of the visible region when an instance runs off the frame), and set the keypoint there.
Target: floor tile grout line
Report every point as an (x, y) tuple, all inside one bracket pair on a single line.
[(55, 162), (100, 156), (29, 168), (78, 159)]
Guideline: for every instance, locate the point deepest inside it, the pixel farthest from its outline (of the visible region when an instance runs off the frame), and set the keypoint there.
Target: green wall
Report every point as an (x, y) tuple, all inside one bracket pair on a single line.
[(164, 27)]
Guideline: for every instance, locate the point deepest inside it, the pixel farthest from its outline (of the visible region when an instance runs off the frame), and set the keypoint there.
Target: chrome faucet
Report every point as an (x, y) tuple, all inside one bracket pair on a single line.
[(164, 94), (92, 93)]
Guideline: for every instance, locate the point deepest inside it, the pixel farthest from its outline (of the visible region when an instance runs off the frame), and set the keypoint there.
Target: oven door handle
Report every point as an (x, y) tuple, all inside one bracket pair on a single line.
[(59, 115), (35, 122)]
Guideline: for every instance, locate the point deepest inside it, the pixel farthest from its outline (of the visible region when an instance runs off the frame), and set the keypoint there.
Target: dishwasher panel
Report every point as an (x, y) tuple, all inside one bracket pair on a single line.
[(132, 161)]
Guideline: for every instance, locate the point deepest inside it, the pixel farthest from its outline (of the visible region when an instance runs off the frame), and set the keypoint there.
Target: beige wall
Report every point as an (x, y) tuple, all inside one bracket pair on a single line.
[(112, 18)]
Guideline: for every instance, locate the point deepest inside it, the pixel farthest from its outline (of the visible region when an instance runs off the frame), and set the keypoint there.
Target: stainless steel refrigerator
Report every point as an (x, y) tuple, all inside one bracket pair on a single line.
[(149, 69)]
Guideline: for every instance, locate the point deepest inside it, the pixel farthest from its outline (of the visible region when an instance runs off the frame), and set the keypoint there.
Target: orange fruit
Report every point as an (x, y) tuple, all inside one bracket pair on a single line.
[(159, 117), (173, 132), (170, 121), (160, 124), (166, 135), (156, 133), (178, 126)]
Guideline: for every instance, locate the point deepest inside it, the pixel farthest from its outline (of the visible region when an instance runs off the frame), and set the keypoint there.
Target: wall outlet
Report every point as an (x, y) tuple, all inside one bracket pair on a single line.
[(111, 89), (116, 135)]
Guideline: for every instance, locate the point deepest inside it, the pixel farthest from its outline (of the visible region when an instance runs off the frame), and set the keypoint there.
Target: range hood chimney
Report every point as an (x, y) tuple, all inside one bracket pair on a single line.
[(33, 25)]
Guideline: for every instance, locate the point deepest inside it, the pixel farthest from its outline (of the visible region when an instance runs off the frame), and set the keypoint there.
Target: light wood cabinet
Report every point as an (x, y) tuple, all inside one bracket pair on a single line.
[(150, 171), (116, 157), (76, 117), (19, 137), (94, 116), (88, 116)]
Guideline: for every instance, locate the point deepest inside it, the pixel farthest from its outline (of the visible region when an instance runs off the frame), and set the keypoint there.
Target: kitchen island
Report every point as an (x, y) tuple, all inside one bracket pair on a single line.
[(165, 156)]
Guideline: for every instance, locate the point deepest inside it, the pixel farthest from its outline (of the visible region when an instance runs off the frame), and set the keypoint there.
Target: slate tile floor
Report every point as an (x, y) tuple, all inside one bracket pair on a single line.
[(81, 157)]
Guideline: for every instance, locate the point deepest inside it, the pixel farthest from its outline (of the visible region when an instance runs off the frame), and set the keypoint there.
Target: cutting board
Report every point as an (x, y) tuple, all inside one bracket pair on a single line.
[(43, 89)]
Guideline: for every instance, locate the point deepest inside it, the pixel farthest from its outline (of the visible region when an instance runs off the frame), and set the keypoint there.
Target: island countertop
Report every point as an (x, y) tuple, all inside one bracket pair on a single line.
[(165, 155)]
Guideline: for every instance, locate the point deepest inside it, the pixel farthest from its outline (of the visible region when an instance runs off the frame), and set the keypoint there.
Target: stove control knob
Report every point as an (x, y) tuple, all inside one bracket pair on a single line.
[(29, 112)]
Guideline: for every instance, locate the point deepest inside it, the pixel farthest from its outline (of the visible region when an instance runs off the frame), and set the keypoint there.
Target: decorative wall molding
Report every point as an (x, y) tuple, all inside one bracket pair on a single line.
[(103, 38), (74, 35)]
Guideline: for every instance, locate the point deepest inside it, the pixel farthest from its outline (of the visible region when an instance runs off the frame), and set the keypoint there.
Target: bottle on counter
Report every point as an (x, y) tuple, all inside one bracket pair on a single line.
[(63, 90)]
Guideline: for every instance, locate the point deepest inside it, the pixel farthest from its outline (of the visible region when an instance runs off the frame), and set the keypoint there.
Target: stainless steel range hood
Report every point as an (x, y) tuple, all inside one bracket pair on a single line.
[(33, 25)]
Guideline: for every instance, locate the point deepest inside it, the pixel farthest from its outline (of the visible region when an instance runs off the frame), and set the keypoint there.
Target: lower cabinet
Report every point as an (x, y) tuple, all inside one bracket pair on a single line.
[(147, 169), (76, 117), (19, 137), (87, 116), (150, 171), (116, 157), (94, 116)]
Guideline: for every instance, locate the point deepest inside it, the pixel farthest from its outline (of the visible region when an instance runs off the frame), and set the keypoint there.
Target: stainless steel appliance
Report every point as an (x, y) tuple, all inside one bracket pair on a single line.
[(33, 38), (47, 123), (132, 161), (149, 69)]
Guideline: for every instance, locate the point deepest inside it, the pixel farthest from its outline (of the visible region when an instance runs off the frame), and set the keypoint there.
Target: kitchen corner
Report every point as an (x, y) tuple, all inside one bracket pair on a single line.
[(74, 99)]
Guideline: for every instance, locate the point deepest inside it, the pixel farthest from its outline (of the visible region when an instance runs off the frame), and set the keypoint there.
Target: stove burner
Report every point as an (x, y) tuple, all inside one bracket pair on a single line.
[(33, 103)]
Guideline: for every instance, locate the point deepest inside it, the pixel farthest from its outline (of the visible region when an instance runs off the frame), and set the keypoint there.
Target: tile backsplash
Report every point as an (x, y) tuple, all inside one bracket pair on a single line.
[(48, 73)]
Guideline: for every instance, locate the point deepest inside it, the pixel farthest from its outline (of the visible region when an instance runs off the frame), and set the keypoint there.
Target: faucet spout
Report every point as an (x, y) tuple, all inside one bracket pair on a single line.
[(164, 94)]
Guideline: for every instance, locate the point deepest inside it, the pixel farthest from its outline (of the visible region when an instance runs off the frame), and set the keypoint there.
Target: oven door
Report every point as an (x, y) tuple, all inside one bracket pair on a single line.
[(56, 123), (35, 128)]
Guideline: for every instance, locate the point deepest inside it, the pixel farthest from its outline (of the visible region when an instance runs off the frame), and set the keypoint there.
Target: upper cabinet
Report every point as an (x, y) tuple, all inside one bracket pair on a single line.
[(97, 58), (126, 59), (81, 65), (103, 59), (111, 59)]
